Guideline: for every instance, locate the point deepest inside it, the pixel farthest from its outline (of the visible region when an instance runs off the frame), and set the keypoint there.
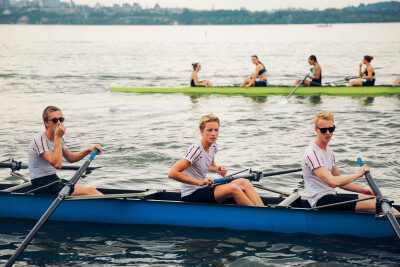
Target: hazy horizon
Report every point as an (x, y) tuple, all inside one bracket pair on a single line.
[(253, 5)]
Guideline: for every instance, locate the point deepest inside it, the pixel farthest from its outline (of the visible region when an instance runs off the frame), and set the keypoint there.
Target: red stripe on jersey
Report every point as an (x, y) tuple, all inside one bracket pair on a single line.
[(195, 153), (311, 162), (189, 151), (41, 138), (317, 158), (38, 151)]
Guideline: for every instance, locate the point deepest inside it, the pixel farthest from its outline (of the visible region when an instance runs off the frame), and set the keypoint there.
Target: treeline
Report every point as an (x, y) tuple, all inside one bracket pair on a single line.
[(379, 12)]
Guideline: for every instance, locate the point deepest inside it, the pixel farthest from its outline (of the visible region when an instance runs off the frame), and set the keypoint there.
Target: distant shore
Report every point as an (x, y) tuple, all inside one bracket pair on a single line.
[(135, 15)]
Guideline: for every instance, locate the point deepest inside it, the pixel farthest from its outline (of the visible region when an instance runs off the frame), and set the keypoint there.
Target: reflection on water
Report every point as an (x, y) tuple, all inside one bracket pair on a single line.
[(315, 99), (61, 244), (368, 101)]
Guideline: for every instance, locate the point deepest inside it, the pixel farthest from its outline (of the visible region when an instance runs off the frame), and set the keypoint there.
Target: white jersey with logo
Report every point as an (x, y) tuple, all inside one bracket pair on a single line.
[(38, 165), (314, 157), (200, 162)]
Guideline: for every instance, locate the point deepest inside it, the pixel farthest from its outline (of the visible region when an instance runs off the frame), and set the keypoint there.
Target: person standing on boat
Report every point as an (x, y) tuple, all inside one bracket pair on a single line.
[(192, 169), (259, 79), (45, 154), (368, 74), (321, 174), (316, 78), (194, 82)]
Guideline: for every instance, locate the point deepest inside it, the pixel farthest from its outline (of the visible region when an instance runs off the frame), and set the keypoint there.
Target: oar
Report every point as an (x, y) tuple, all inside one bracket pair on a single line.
[(16, 166), (384, 202), (65, 191), (284, 101), (254, 176)]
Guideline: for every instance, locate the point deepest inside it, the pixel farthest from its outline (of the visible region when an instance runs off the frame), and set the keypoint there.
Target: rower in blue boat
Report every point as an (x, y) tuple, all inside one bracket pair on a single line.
[(321, 174), (192, 169), (45, 154), (194, 81), (259, 79), (316, 78)]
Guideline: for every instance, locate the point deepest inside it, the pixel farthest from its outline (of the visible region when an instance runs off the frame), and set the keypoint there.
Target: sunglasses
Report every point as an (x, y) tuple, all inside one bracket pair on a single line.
[(55, 120), (199, 66), (330, 129)]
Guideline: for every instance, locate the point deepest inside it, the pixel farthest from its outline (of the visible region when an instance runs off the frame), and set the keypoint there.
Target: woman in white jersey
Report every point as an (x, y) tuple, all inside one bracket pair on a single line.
[(192, 169)]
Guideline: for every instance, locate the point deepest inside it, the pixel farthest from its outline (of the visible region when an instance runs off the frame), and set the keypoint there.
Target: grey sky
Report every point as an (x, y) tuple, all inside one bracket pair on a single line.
[(252, 5)]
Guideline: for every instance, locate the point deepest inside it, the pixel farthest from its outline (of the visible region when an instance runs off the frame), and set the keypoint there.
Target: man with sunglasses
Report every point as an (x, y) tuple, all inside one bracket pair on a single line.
[(322, 176), (45, 154)]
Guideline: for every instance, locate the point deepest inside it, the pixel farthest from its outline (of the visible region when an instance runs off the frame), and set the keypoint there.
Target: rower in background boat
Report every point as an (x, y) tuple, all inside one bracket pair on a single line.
[(192, 169), (194, 81), (322, 176), (259, 79), (45, 154), (368, 74), (397, 81), (316, 78)]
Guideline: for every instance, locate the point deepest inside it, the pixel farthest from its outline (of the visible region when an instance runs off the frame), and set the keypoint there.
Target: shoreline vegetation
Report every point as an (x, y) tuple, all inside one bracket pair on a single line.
[(71, 14)]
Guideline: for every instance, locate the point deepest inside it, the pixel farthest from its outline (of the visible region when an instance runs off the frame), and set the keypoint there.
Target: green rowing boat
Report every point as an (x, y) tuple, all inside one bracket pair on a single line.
[(265, 91)]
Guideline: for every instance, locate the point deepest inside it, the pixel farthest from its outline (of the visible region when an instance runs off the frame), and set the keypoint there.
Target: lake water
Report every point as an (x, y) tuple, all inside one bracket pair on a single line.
[(73, 67)]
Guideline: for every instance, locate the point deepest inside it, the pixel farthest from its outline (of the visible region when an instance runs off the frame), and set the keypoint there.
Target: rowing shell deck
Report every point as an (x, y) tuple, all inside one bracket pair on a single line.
[(265, 91)]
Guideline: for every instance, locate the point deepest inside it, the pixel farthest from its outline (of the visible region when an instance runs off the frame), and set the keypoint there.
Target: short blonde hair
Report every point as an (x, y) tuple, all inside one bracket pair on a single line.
[(324, 115), (207, 118), (47, 110)]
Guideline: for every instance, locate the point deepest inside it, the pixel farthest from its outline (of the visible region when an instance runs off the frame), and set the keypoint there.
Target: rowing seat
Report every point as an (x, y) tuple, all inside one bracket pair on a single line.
[(287, 202)]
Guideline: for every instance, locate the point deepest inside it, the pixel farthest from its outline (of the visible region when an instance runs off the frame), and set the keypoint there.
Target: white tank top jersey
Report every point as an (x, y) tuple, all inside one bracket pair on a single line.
[(314, 157), (38, 166), (200, 162)]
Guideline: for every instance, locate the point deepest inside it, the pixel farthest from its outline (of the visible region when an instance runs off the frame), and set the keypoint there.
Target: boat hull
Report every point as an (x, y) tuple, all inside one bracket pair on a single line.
[(177, 213), (266, 91)]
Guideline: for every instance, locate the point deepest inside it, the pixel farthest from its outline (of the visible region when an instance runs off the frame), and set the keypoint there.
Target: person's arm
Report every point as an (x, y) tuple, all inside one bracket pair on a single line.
[(55, 158), (196, 81), (177, 174), (218, 169), (351, 186), (369, 72), (317, 73), (361, 73), (74, 157), (335, 181)]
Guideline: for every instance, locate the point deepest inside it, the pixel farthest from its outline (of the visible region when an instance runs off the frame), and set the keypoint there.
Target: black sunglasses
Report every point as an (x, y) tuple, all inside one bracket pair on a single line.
[(55, 120), (330, 129)]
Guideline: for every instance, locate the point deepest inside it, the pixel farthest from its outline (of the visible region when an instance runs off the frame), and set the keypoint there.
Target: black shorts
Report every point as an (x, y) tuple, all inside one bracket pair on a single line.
[(203, 195), (316, 83), (369, 83), (330, 199), (55, 184), (260, 84)]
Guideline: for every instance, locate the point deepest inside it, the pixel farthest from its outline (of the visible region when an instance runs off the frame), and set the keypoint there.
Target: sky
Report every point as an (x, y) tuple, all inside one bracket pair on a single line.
[(253, 5)]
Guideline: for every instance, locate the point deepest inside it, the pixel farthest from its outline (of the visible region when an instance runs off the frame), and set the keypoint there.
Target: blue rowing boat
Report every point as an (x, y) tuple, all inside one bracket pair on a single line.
[(289, 214)]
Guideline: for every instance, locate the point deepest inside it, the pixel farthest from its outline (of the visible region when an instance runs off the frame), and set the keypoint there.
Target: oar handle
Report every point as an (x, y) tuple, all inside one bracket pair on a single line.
[(94, 154), (221, 180), (361, 163)]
